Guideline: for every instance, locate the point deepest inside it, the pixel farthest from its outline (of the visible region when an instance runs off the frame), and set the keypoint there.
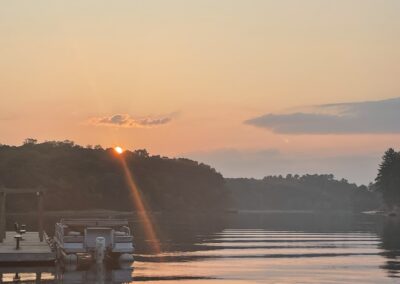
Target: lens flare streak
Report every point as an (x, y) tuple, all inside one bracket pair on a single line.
[(141, 207)]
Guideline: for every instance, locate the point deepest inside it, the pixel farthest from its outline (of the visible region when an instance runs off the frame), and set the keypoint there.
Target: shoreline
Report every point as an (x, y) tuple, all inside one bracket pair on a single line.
[(108, 213)]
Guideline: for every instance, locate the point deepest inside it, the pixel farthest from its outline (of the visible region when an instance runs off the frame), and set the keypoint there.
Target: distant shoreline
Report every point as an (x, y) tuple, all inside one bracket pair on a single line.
[(107, 213), (74, 213)]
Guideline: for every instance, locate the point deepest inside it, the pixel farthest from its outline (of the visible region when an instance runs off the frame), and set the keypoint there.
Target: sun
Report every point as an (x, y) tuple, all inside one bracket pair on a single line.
[(119, 150)]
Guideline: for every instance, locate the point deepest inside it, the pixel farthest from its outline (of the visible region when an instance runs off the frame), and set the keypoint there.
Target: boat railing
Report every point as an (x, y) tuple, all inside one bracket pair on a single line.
[(95, 222), (123, 239), (73, 239)]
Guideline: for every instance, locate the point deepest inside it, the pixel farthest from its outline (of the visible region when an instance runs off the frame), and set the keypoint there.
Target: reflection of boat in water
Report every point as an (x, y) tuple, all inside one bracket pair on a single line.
[(97, 274), (94, 237)]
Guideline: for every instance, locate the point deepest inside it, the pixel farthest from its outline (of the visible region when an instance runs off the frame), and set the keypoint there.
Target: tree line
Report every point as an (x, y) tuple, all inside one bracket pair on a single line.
[(307, 192), (82, 178)]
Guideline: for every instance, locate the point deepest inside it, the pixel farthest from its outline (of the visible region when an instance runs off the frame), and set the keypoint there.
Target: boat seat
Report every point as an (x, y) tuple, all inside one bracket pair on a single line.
[(119, 233), (22, 229)]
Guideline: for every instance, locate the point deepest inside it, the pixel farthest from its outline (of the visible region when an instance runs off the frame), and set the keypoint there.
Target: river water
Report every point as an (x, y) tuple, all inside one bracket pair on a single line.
[(253, 248)]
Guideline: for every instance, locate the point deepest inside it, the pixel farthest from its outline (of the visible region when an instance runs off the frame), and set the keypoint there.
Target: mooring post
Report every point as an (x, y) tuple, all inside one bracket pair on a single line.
[(18, 239), (2, 216), (38, 277), (40, 214), (16, 278)]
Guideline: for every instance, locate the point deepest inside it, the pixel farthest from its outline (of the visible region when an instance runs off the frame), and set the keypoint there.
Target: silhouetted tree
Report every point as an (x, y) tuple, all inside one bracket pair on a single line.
[(30, 141), (388, 179)]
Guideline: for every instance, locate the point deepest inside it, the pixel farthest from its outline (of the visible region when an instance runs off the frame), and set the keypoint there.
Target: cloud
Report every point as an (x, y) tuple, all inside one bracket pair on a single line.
[(127, 121), (259, 163), (346, 118)]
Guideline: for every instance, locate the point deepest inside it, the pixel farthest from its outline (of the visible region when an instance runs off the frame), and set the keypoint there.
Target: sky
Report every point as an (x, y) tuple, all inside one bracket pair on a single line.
[(251, 87)]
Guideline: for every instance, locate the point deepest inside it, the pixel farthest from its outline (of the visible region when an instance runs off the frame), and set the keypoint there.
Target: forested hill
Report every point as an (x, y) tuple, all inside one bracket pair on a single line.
[(308, 192), (93, 178), (82, 178)]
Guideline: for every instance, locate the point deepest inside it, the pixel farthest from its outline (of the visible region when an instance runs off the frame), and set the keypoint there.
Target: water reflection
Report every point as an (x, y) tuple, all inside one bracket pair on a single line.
[(271, 248), (391, 246), (253, 248), (100, 274), (42, 274)]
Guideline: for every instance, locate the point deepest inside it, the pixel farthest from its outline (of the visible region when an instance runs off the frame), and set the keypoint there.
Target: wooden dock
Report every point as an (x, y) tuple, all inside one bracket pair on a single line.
[(31, 250)]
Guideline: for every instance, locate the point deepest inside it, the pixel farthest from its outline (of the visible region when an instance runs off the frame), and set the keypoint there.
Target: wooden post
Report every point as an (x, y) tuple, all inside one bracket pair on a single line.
[(38, 278), (40, 214), (2, 216)]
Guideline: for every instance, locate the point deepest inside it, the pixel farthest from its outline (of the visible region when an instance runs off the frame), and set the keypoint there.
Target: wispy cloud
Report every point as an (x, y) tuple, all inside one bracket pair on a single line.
[(345, 118), (128, 121)]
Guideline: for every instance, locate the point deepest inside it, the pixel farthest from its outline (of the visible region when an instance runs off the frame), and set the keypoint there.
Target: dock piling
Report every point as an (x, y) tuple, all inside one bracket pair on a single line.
[(40, 214), (2, 216)]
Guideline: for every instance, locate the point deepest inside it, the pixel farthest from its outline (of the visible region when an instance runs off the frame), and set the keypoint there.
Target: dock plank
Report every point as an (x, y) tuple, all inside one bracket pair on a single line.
[(31, 249)]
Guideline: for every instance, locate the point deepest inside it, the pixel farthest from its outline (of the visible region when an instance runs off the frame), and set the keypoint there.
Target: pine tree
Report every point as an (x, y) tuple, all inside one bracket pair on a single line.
[(388, 179)]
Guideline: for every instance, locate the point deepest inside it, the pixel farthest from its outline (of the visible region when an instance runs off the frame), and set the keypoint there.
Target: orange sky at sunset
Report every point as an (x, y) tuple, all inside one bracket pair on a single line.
[(219, 81)]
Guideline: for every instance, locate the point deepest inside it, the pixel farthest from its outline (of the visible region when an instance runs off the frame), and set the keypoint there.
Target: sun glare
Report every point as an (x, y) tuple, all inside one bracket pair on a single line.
[(119, 150)]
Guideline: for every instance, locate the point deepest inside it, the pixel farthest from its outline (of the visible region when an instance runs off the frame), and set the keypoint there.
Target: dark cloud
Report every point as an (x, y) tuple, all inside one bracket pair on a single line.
[(127, 121), (346, 118), (361, 169)]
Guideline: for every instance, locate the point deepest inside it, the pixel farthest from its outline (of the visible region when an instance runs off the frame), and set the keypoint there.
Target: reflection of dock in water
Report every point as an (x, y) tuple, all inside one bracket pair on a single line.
[(54, 274), (27, 274)]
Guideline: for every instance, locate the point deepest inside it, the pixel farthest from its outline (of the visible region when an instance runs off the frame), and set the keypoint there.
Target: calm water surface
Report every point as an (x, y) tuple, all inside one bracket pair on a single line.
[(256, 248)]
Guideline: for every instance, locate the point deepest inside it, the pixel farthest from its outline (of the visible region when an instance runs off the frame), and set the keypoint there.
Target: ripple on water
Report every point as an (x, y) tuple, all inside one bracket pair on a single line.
[(262, 256)]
